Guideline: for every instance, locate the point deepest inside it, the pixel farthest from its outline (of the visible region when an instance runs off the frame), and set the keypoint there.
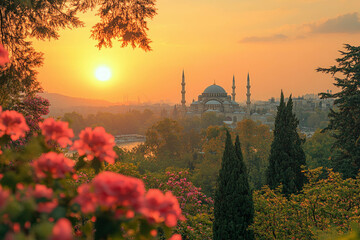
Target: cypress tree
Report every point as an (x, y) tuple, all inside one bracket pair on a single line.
[(344, 123), (233, 209), (286, 155)]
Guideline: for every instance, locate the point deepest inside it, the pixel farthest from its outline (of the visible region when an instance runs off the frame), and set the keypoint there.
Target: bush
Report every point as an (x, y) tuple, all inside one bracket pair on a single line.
[(45, 195)]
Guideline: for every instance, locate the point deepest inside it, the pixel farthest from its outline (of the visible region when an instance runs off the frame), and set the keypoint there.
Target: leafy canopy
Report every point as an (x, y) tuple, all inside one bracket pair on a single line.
[(345, 118), (23, 20)]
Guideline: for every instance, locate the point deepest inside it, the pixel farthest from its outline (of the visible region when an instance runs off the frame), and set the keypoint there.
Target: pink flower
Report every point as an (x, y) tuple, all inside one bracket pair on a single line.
[(13, 124), (54, 163), (113, 189), (86, 199), (57, 131), (62, 230), (41, 191), (47, 207), (175, 237), (96, 143), (162, 208), (4, 195), (4, 55)]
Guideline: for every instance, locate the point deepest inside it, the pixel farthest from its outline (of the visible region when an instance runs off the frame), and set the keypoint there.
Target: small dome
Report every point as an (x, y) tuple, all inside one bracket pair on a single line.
[(234, 103), (226, 102), (212, 102), (214, 89), (196, 102)]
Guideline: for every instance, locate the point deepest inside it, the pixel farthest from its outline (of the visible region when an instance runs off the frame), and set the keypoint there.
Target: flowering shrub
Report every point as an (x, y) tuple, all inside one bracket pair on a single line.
[(97, 145), (39, 200), (196, 206), (4, 56), (57, 131), (13, 124), (33, 108)]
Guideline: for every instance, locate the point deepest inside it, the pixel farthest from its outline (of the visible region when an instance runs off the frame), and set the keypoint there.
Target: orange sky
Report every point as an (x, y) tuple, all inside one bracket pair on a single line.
[(280, 42)]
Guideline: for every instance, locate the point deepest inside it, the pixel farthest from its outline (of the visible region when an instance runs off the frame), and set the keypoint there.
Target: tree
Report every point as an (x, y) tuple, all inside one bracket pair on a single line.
[(317, 150), (256, 141), (345, 117), (233, 208), (164, 138), (22, 20), (286, 154)]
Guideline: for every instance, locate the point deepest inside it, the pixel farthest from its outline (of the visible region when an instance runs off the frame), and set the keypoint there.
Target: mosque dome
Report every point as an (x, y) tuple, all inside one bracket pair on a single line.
[(212, 102), (214, 89)]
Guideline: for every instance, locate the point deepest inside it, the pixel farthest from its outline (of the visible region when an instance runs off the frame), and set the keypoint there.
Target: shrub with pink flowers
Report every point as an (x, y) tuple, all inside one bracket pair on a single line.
[(195, 205), (40, 199), (33, 108), (4, 56)]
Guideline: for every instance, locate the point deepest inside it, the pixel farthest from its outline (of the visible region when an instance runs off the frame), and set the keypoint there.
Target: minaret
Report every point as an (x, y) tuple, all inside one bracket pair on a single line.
[(233, 88), (183, 101), (248, 94)]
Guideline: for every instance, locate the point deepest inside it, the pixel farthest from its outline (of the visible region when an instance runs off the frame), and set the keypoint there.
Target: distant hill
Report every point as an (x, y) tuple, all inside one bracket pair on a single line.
[(60, 104), (62, 101)]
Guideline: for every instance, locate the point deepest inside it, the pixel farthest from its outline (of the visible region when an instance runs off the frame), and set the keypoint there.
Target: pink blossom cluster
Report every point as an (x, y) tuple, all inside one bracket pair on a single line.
[(56, 165), (96, 143), (33, 109), (161, 207), (57, 131), (4, 195), (113, 191), (43, 192), (124, 197), (190, 197), (62, 230), (13, 124), (4, 56)]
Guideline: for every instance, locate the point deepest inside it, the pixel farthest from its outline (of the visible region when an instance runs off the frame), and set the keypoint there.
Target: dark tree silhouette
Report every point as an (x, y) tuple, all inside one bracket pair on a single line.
[(286, 155), (344, 122), (233, 209)]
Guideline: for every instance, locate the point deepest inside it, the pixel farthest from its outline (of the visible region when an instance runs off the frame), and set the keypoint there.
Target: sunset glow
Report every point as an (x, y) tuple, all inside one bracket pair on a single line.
[(103, 73), (280, 43)]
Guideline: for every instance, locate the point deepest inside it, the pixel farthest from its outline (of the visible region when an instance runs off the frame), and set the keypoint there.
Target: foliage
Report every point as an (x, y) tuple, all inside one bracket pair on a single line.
[(207, 168), (23, 20), (40, 199), (232, 195), (318, 150), (256, 140), (286, 155), (164, 138), (121, 123), (345, 119), (33, 108), (323, 206)]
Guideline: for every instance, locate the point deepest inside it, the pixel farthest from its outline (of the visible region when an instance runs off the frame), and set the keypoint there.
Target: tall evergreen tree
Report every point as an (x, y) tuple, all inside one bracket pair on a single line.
[(286, 155), (344, 122), (234, 208)]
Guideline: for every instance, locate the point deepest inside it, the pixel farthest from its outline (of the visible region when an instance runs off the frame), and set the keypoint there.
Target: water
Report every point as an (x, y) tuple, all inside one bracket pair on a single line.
[(129, 145)]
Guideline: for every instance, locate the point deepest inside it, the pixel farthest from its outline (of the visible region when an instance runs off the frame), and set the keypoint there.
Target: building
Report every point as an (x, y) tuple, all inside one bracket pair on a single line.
[(215, 99)]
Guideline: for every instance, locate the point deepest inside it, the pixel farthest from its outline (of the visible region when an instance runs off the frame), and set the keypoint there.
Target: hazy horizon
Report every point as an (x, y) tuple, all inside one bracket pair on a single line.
[(280, 43)]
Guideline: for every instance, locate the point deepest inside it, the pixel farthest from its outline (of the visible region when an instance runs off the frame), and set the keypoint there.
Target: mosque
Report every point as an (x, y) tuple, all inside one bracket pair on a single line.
[(215, 99)]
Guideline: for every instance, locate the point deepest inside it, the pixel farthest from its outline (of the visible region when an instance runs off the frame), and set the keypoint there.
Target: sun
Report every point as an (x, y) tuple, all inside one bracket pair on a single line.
[(103, 73)]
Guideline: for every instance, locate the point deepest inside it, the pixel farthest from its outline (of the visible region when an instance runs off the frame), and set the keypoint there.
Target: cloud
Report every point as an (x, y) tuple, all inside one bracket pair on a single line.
[(348, 23), (275, 37)]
